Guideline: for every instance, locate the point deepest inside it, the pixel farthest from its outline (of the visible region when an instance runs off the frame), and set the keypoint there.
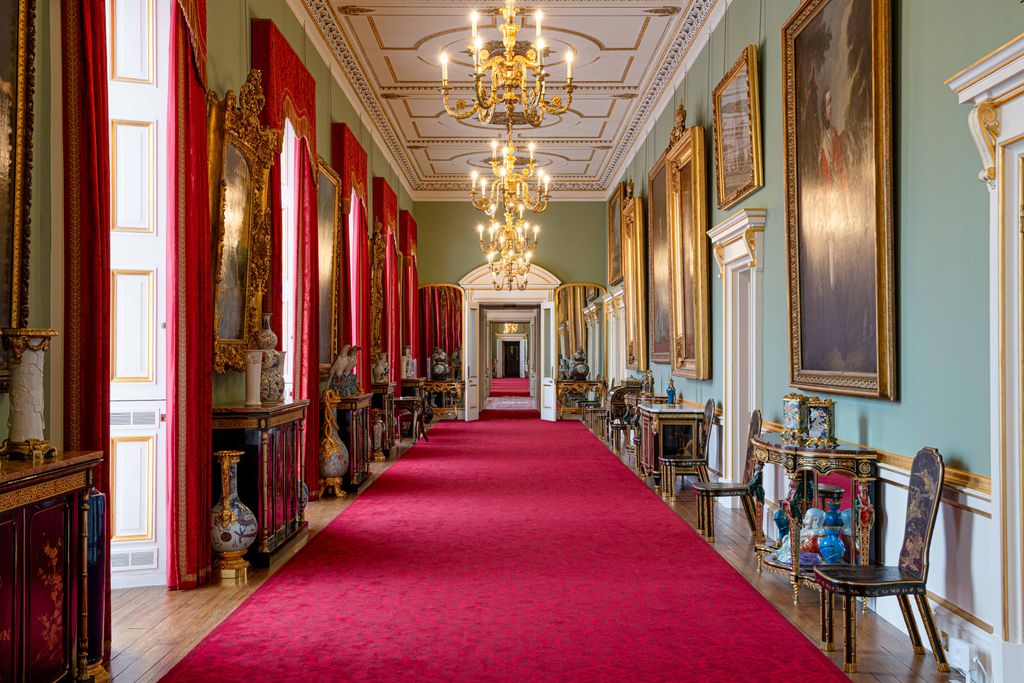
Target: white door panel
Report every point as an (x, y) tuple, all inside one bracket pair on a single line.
[(471, 362), (548, 344)]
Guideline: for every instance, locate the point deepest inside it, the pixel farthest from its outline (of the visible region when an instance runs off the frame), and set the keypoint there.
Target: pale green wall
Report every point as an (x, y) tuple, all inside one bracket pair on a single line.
[(573, 240), (941, 224), (228, 55)]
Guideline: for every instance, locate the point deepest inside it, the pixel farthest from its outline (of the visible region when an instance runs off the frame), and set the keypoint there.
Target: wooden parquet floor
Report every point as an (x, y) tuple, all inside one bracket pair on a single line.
[(154, 628)]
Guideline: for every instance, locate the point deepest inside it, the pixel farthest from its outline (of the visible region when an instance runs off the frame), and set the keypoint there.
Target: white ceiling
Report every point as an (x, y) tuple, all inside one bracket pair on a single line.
[(629, 52)]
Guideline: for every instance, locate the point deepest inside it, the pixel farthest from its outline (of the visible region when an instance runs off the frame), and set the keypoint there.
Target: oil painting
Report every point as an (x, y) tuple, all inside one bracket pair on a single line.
[(615, 235), (659, 265), (328, 242), (737, 119)]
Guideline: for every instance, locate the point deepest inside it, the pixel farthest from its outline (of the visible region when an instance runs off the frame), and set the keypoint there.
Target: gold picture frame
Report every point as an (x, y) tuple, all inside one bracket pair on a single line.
[(241, 153), (659, 263), (615, 234), (837, 71), (737, 123), (634, 280), (687, 222), (17, 87), (330, 246)]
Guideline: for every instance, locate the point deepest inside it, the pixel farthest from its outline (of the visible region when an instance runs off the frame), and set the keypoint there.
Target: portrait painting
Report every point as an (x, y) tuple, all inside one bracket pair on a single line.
[(659, 266), (234, 250), (839, 217), (634, 283), (615, 235), (328, 243), (737, 120)]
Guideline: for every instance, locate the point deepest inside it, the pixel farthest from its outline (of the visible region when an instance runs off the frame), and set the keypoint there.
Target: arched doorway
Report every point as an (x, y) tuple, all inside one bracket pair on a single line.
[(536, 303)]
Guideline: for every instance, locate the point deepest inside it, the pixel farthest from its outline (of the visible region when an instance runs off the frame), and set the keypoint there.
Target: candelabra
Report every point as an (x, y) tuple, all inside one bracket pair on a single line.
[(510, 188), (511, 63), (509, 247)]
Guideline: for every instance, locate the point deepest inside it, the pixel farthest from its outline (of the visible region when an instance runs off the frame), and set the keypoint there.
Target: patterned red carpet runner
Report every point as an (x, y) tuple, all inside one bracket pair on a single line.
[(510, 386), (507, 550)]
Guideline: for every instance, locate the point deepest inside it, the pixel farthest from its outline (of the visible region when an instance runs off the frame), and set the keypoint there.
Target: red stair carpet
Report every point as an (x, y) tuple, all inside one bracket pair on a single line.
[(510, 386), (507, 550)]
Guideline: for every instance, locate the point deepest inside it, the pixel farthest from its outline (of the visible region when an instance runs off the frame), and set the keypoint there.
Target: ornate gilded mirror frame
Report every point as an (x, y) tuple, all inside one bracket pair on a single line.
[(235, 123), (17, 74), (584, 317), (687, 223), (634, 276), (329, 215), (378, 245)]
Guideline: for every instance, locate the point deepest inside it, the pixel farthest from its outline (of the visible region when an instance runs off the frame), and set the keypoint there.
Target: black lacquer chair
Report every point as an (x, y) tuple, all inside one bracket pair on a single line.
[(687, 462), (909, 577), (749, 491)]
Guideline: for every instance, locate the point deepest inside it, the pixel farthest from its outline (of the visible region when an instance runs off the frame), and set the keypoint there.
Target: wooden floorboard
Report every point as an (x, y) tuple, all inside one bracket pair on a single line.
[(154, 628)]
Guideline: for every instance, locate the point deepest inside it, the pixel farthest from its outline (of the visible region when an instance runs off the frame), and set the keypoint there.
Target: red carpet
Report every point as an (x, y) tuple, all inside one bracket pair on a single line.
[(507, 550), (510, 386)]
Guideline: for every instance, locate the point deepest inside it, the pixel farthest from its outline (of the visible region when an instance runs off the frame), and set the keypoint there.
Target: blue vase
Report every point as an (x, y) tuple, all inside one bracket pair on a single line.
[(781, 520), (831, 546)]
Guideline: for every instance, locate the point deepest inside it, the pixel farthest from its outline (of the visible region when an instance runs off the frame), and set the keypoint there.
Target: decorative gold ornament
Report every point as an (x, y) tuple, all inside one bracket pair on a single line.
[(509, 188), (509, 248), (510, 62)]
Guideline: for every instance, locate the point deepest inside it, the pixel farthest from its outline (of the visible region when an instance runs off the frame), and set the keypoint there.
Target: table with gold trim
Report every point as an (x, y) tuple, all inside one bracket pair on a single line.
[(567, 391), (803, 464), (445, 395)]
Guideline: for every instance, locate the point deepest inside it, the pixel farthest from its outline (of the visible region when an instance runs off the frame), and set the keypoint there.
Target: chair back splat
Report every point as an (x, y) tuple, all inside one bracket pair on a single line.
[(709, 420), (926, 475), (755, 430)]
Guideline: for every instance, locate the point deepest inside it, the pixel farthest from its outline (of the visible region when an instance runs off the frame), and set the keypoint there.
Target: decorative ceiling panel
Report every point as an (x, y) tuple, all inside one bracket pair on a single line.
[(628, 52)]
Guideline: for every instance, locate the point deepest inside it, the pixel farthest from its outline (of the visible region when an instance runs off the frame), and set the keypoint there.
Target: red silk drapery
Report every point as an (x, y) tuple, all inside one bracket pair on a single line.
[(86, 333), (441, 314), (348, 158), (385, 221), (290, 93), (189, 311), (410, 286)]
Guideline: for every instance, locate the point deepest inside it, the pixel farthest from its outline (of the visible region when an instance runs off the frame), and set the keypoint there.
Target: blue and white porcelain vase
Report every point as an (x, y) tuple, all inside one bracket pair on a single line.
[(831, 546), (232, 524)]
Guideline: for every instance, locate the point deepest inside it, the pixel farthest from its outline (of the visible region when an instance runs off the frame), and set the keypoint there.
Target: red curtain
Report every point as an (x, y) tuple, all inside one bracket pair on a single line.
[(290, 93), (441, 308), (189, 308), (358, 248), (392, 306), (307, 360), (410, 288), (86, 331)]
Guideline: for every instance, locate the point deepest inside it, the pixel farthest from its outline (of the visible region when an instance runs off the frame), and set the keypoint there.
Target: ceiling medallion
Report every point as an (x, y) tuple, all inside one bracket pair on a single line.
[(510, 63)]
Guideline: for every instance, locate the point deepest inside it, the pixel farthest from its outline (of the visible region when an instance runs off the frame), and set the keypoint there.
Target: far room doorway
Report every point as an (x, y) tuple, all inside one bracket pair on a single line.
[(510, 358), (510, 354)]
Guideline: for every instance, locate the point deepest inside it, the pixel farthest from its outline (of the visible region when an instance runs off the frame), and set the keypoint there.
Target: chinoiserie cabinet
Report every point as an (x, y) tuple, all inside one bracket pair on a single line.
[(353, 414), (384, 410), (270, 473), (43, 509), (668, 430)]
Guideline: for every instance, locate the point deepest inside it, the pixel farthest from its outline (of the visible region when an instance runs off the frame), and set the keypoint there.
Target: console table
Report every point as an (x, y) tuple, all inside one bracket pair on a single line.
[(445, 395), (44, 509), (270, 474), (412, 386), (802, 465), (384, 405), (353, 413), (668, 429), (569, 390)]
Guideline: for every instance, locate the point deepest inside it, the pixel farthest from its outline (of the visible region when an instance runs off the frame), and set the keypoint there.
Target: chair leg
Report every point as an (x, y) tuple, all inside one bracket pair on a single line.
[(933, 634), (850, 612), (748, 512), (908, 619), (828, 599), (709, 514), (700, 513), (702, 472)]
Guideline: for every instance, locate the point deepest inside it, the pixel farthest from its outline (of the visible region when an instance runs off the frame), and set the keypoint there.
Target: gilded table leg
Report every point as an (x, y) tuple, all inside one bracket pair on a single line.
[(933, 634), (700, 513), (850, 611), (828, 606), (709, 514), (908, 618)]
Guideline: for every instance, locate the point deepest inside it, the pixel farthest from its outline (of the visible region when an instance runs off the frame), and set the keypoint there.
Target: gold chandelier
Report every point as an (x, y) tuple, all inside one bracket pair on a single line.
[(510, 188), (509, 248), (511, 63)]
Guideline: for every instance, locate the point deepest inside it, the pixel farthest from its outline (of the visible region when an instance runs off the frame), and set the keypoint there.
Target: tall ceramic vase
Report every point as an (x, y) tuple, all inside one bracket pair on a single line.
[(232, 524), (253, 373), (26, 349)]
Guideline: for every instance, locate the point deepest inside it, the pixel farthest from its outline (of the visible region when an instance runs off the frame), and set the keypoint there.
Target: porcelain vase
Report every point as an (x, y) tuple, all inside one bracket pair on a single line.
[(830, 545), (232, 524), (253, 377), (26, 350)]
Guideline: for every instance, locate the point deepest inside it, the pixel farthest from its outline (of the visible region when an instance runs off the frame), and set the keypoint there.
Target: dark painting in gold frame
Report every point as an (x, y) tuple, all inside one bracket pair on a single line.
[(615, 235), (737, 120), (17, 85), (687, 216), (839, 207), (659, 264), (634, 279), (329, 248)]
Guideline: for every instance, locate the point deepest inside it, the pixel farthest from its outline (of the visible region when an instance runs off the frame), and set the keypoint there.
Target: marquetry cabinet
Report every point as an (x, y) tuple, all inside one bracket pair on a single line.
[(353, 413), (270, 473), (43, 632), (668, 430), (384, 408)]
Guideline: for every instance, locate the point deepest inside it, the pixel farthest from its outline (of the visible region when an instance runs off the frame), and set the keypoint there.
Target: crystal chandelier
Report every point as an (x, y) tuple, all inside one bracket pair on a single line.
[(510, 188), (511, 63), (509, 248)]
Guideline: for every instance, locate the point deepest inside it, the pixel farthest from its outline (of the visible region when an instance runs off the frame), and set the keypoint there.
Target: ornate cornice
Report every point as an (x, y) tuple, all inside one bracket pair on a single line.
[(697, 14)]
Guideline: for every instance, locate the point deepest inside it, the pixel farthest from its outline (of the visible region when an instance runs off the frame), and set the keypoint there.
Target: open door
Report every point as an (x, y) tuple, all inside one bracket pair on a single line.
[(547, 361), (471, 362)]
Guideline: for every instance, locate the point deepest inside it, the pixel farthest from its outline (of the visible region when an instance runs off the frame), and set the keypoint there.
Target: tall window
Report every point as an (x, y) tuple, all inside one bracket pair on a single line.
[(289, 255)]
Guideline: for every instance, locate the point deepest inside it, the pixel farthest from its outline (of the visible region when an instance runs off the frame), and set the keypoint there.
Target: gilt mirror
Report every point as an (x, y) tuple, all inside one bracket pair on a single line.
[(579, 308), (241, 154)]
